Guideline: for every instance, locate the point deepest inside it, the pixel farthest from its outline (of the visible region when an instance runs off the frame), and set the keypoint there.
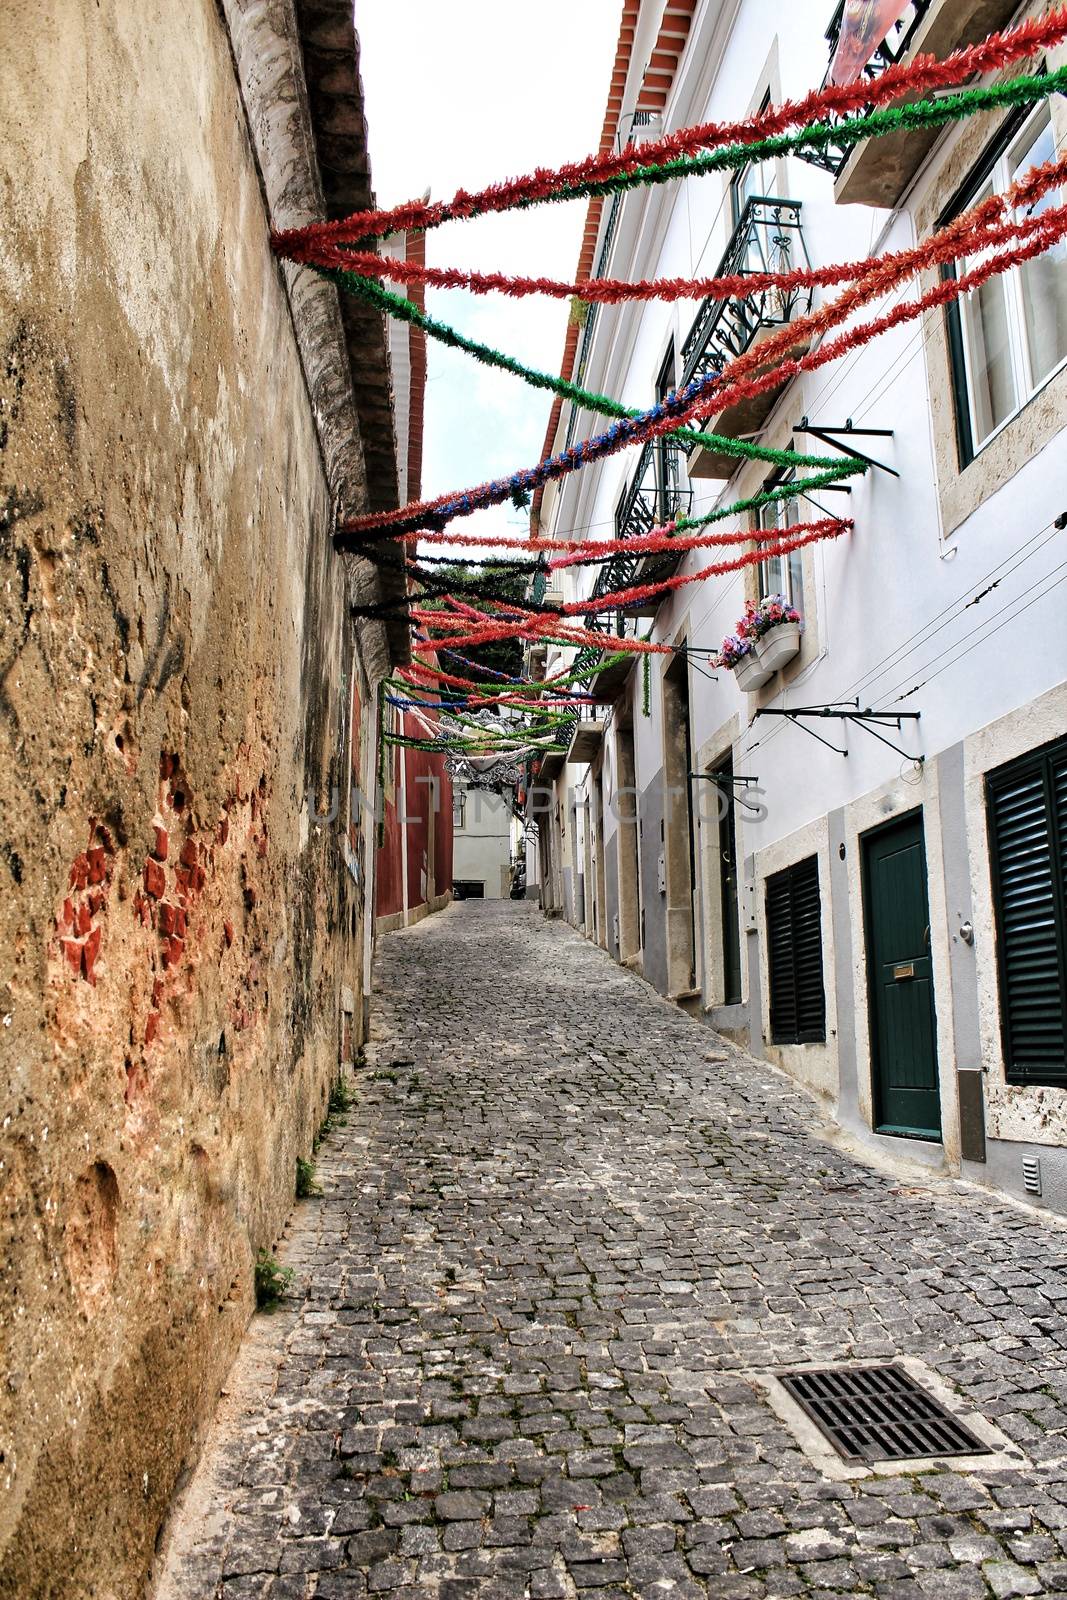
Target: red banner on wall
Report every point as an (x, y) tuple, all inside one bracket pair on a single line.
[(864, 25)]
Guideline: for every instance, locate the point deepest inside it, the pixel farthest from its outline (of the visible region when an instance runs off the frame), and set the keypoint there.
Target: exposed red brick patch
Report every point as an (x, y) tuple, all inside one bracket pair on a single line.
[(89, 880), (155, 879), (72, 951), (90, 951)]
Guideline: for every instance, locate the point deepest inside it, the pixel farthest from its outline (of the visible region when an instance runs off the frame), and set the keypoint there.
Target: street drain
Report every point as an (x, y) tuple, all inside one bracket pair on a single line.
[(879, 1414)]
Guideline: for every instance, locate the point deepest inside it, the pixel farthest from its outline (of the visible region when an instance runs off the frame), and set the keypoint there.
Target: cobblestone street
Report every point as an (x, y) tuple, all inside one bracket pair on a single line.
[(560, 1230)]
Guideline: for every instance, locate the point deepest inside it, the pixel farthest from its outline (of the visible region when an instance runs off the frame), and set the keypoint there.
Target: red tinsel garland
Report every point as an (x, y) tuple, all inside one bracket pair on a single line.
[(533, 623), (793, 538), (958, 239), (537, 626), (613, 291), (919, 76)]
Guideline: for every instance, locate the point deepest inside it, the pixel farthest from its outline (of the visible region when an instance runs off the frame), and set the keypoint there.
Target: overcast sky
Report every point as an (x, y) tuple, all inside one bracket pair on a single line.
[(461, 94)]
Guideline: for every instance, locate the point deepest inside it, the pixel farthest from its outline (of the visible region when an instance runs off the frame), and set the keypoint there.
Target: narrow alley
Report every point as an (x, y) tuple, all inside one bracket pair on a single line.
[(560, 1231)]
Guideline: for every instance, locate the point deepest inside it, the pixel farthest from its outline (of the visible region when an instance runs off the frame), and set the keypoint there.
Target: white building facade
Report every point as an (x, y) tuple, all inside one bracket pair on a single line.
[(884, 920), (483, 827)]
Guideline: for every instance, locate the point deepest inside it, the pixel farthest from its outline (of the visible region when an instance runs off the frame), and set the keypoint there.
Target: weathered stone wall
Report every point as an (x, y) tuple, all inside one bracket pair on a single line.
[(175, 668)]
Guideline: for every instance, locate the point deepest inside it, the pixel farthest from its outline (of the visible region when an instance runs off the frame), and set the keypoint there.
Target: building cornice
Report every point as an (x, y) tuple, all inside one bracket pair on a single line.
[(297, 64)]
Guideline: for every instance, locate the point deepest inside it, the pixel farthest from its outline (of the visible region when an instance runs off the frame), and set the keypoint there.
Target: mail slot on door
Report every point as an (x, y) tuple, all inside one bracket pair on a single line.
[(904, 969)]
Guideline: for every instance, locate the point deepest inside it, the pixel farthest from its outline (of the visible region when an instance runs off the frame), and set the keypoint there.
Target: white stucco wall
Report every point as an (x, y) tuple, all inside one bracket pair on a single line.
[(481, 848), (888, 618)]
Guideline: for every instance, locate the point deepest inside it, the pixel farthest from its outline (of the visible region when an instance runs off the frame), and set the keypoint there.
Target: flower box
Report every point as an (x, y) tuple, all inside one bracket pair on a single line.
[(778, 646), (751, 672)]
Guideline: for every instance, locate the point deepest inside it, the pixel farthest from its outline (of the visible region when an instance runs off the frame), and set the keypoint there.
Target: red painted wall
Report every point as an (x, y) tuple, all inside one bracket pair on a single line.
[(427, 821)]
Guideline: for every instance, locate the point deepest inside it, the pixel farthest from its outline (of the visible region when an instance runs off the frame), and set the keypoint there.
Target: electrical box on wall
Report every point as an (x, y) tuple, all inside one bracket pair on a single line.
[(615, 930), (661, 873), (749, 907)]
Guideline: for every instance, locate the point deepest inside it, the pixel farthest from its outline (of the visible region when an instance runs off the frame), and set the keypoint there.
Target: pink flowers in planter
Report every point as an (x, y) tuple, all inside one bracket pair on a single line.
[(749, 647), (772, 610), (734, 648)]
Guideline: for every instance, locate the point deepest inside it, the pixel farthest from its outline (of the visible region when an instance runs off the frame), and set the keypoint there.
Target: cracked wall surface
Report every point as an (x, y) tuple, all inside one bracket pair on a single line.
[(177, 674)]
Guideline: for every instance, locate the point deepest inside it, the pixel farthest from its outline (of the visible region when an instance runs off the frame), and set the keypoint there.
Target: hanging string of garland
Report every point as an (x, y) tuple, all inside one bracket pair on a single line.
[(405, 311), (541, 629), (987, 225), (802, 533), (521, 695), (660, 539), (432, 696), (984, 228), (733, 384), (923, 114), (914, 78), (557, 680)]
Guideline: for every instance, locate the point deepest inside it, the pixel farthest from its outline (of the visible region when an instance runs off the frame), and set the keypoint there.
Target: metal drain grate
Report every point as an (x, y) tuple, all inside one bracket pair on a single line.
[(879, 1414)]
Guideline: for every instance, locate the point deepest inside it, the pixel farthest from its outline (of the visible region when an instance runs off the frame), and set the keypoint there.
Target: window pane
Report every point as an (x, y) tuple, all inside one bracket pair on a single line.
[(795, 592), (990, 373), (1044, 279), (781, 574)]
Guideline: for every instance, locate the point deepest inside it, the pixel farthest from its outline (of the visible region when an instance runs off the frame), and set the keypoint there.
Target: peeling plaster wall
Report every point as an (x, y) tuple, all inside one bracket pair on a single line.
[(177, 674)]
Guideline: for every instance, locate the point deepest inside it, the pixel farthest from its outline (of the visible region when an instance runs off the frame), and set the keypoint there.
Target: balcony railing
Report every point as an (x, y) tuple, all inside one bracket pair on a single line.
[(768, 238), (893, 48), (655, 495)]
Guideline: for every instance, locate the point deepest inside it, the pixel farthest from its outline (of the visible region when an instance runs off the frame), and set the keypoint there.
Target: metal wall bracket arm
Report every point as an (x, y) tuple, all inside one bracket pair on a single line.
[(826, 436), (849, 711)]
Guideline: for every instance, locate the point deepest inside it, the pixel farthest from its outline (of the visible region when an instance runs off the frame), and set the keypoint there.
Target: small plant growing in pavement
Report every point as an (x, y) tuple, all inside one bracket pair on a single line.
[(271, 1281), (341, 1099), (305, 1179)]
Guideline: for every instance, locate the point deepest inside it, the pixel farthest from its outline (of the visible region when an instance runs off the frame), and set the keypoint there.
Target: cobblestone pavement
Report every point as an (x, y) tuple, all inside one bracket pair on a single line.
[(556, 1236)]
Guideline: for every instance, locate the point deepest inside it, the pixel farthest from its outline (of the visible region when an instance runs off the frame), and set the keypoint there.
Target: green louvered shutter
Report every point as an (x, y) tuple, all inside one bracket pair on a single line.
[(1028, 834), (794, 955)]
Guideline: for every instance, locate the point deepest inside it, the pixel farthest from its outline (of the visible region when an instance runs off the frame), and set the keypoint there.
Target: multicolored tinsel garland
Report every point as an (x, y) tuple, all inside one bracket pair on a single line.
[(454, 704), (914, 78), (920, 115), (734, 384), (397, 306), (669, 537), (540, 629), (802, 533)]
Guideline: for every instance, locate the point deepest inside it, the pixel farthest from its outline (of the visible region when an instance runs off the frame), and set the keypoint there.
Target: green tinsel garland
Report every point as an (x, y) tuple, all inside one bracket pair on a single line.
[(398, 306), (818, 135)]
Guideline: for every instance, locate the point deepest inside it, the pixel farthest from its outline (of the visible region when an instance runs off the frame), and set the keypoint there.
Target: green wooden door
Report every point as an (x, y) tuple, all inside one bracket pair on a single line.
[(900, 981)]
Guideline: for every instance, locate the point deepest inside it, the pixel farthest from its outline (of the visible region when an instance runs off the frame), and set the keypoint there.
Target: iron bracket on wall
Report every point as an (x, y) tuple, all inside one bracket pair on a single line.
[(849, 711), (825, 433), (688, 650), (729, 780)]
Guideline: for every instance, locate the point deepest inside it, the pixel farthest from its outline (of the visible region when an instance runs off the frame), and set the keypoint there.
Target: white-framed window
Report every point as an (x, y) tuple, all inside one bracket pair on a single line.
[(459, 809), (780, 574), (756, 180), (1008, 336)]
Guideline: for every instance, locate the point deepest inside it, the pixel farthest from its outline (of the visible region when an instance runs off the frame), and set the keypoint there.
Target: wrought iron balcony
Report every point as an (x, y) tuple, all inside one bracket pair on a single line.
[(876, 172), (656, 493), (894, 47), (768, 238)]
